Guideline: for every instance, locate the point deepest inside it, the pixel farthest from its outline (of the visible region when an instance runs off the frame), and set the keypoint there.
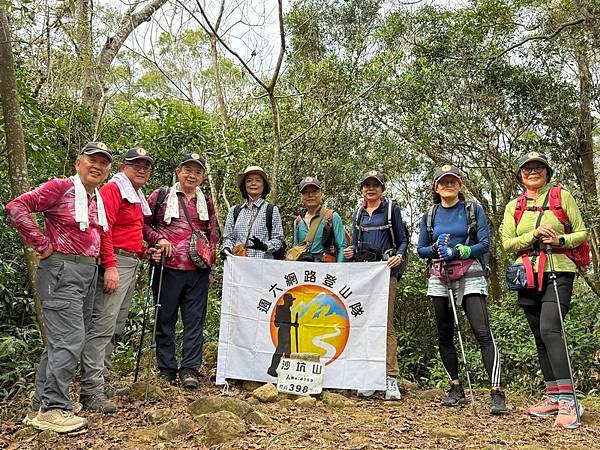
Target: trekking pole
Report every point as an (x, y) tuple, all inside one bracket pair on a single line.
[(156, 308), (460, 341), (146, 305), (552, 276)]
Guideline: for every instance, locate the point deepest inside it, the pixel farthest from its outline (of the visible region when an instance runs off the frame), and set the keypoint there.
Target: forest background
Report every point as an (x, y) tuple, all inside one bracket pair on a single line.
[(329, 88)]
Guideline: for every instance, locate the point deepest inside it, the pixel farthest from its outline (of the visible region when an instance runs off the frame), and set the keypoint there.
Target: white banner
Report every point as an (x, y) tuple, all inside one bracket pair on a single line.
[(273, 308)]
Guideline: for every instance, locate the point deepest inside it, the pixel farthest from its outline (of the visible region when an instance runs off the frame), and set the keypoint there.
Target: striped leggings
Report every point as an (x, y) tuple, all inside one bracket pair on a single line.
[(475, 307)]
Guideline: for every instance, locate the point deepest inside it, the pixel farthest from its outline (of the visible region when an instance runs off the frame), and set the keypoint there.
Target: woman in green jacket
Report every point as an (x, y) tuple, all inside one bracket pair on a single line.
[(530, 225)]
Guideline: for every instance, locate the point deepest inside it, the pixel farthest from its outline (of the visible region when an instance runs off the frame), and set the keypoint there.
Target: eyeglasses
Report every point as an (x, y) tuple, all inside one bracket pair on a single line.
[(140, 167), (532, 169), (197, 172)]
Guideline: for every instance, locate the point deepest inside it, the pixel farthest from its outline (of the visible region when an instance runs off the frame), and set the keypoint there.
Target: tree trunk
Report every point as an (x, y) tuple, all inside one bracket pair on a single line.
[(223, 113), (276, 146), (15, 144)]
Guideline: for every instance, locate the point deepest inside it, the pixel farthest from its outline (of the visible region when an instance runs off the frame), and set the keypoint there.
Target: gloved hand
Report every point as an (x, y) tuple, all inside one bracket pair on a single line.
[(464, 251), (447, 253), (443, 239), (225, 253), (257, 244)]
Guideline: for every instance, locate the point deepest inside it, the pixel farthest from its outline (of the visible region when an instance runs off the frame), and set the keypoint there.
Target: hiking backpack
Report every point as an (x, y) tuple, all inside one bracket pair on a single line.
[(357, 219), (279, 254), (471, 210), (580, 255), (328, 239)]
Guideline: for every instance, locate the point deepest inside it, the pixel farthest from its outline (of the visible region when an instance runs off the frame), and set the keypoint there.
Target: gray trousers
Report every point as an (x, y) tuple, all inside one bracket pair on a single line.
[(67, 292), (109, 316)]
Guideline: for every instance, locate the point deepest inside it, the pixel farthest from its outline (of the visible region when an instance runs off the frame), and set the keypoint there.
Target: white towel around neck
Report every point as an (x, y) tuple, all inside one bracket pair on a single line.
[(172, 209), (129, 193), (81, 206)]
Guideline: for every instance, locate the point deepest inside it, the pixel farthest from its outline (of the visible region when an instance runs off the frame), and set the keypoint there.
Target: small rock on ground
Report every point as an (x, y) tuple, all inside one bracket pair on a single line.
[(267, 393), (223, 426), (207, 405), (259, 418), (305, 402), (175, 427), (336, 400), (159, 416), (138, 391)]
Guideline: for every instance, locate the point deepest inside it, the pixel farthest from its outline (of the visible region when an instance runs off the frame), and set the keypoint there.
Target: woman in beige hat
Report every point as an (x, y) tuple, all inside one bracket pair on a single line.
[(253, 228)]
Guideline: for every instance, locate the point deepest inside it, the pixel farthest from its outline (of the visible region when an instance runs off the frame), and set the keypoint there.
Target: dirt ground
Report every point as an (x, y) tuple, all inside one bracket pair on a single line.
[(417, 421)]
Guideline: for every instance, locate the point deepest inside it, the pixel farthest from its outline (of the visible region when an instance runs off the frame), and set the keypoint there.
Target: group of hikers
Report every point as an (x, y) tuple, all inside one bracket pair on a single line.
[(95, 239)]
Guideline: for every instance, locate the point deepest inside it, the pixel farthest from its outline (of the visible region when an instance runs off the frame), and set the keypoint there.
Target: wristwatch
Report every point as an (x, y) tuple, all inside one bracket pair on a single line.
[(561, 241)]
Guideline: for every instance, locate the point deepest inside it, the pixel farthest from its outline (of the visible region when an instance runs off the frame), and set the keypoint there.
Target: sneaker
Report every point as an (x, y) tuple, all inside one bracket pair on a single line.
[(58, 420), (498, 405), (34, 408), (189, 380), (567, 416), (548, 406), (391, 389), (366, 393), (98, 403), (455, 397)]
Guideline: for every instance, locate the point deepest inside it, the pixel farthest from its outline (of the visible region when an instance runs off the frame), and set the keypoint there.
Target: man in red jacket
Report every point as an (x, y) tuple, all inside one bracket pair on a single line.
[(66, 277), (120, 252)]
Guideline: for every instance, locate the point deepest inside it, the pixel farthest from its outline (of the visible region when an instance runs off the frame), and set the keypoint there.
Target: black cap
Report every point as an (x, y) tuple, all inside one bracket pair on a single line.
[(309, 181), (96, 147), (531, 157), (288, 296), (443, 171), (193, 157), (373, 174), (138, 153)]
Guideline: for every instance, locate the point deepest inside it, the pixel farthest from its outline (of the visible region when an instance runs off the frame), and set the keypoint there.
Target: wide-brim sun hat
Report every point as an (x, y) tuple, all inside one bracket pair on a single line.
[(253, 169), (533, 157)]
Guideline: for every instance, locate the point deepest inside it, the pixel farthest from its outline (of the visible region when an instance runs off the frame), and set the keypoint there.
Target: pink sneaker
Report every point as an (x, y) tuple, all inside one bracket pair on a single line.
[(548, 406), (567, 416)]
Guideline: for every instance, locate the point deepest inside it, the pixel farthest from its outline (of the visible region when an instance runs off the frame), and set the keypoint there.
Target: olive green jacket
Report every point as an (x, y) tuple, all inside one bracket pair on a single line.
[(516, 238)]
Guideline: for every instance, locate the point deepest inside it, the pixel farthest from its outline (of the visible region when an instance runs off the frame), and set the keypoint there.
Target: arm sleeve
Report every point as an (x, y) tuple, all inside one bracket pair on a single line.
[(424, 247), (579, 232), (228, 238), (511, 242), (401, 238), (151, 236), (19, 211), (276, 240), (339, 236), (482, 245), (111, 196)]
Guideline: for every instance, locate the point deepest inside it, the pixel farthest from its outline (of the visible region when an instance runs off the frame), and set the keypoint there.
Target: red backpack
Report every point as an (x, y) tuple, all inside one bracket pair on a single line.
[(580, 255)]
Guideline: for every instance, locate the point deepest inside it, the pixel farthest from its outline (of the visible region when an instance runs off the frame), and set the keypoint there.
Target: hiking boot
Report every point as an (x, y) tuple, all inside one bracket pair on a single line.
[(189, 380), (98, 403), (548, 406), (456, 396), (498, 404), (366, 393), (272, 372), (567, 416), (58, 420), (111, 391), (391, 389)]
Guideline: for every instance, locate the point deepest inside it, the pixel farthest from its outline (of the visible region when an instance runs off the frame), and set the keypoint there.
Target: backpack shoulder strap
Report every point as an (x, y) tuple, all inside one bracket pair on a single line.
[(160, 199), (270, 219), (390, 221), (357, 219), (429, 221), (236, 213), (556, 207), (520, 207), (471, 209)]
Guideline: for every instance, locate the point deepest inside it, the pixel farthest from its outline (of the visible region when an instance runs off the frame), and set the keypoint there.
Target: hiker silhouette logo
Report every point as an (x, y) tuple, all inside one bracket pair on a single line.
[(310, 319)]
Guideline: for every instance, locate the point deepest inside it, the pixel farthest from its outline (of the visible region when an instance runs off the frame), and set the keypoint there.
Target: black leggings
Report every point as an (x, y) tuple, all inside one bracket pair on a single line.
[(475, 307), (542, 315)]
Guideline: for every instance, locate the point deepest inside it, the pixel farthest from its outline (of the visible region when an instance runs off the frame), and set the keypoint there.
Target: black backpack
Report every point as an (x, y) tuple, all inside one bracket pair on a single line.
[(160, 199), (471, 210), (358, 215), (279, 254)]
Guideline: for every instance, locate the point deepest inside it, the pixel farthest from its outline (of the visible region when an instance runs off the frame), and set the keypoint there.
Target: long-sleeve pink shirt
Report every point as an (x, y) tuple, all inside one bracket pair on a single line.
[(56, 200), (179, 232)]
